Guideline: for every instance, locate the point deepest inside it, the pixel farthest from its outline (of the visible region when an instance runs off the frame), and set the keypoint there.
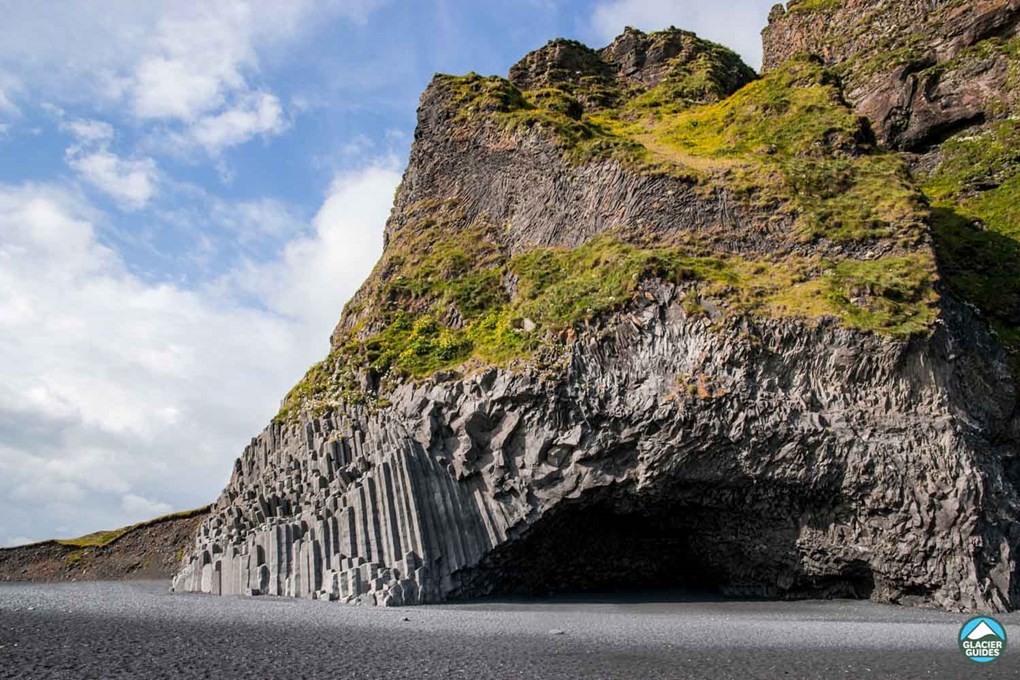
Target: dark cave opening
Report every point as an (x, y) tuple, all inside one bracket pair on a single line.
[(626, 544), (601, 547)]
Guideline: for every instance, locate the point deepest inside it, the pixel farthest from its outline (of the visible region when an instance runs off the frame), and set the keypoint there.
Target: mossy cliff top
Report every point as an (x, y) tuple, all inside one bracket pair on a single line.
[(787, 144), (450, 291), (942, 81), (684, 68)]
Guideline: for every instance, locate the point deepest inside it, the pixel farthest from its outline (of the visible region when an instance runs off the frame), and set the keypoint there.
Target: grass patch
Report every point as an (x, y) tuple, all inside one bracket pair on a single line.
[(789, 141), (975, 192), (447, 295), (807, 6), (412, 331), (786, 143)]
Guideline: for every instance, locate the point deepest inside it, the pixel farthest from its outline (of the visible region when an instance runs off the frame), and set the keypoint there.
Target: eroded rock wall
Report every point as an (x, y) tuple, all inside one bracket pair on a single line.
[(920, 70), (819, 451)]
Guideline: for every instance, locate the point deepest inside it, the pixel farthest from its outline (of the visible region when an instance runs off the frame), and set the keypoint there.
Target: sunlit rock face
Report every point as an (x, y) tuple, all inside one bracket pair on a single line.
[(920, 70), (597, 356)]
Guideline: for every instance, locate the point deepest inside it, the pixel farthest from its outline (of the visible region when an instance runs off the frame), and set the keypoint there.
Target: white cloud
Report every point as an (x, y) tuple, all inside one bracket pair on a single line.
[(130, 182), (338, 254), (736, 24), (6, 105), (252, 220), (89, 131), (193, 61), (140, 506), (256, 114), (192, 68), (122, 397)]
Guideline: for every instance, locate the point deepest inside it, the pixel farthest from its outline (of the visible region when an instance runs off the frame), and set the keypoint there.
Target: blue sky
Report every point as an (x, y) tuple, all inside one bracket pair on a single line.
[(188, 194)]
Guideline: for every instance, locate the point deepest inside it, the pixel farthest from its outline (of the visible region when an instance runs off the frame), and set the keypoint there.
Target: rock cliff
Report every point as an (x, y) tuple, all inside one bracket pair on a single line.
[(939, 81), (642, 318)]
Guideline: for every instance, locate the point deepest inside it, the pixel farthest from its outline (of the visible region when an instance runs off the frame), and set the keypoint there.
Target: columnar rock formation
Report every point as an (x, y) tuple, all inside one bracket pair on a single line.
[(625, 333)]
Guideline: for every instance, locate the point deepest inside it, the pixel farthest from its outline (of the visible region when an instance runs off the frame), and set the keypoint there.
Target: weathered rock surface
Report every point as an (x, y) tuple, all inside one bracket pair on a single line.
[(806, 461), (920, 70), (670, 442)]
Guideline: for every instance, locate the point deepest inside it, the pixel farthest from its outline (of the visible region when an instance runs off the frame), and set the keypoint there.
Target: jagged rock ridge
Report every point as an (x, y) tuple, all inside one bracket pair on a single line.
[(641, 319)]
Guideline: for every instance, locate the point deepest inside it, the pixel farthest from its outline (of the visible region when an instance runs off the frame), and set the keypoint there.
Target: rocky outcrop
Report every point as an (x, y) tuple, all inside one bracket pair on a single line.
[(634, 62), (920, 70), (766, 458), (481, 427)]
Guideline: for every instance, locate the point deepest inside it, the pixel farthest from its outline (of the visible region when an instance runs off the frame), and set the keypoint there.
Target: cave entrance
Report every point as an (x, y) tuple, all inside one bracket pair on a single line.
[(604, 546), (686, 544)]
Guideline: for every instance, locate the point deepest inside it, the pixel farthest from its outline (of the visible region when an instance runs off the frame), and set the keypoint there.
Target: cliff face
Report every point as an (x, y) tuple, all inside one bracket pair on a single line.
[(938, 80), (641, 319), (920, 70)]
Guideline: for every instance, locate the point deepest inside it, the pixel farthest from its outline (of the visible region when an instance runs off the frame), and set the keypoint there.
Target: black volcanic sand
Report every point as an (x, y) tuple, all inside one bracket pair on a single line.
[(139, 630)]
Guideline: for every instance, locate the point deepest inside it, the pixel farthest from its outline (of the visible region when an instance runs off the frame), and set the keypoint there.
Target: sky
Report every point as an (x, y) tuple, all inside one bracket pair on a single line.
[(189, 192)]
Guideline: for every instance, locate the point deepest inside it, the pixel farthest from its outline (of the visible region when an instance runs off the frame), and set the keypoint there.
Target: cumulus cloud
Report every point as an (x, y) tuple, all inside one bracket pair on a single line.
[(336, 256), (88, 132), (737, 24), (194, 61), (140, 506), (123, 398), (256, 114), (191, 66), (130, 182), (6, 105)]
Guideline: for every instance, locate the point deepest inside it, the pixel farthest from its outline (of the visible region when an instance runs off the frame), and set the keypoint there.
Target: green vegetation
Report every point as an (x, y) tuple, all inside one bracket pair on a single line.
[(95, 539), (787, 142), (705, 73), (550, 109), (976, 195), (790, 142), (449, 294), (74, 558), (432, 313), (813, 5)]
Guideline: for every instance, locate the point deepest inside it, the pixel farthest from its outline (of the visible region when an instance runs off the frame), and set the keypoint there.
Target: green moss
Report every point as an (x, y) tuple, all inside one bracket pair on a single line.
[(790, 141), (472, 95), (787, 142), (975, 162), (562, 288), (892, 294), (447, 295), (709, 73), (95, 539), (813, 5), (976, 194)]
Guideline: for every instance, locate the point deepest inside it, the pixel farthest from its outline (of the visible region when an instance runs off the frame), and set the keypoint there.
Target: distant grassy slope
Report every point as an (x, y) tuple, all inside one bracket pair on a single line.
[(100, 538), (150, 549)]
